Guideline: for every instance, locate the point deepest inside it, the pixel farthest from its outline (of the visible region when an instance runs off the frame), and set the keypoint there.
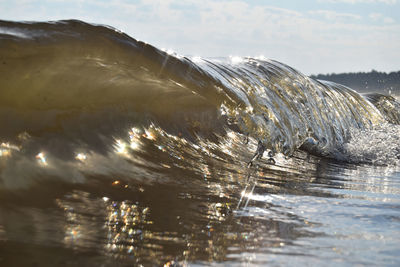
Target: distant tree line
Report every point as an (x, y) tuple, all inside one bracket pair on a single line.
[(374, 81)]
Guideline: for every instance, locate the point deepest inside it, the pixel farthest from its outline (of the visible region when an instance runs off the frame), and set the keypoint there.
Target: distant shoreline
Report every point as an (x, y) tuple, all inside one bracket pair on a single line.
[(372, 81)]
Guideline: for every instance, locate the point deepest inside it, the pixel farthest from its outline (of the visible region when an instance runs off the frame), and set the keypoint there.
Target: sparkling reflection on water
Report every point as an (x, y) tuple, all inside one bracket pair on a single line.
[(204, 210)]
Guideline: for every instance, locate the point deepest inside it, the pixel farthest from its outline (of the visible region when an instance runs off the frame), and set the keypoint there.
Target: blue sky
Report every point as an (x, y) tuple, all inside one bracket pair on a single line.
[(315, 36)]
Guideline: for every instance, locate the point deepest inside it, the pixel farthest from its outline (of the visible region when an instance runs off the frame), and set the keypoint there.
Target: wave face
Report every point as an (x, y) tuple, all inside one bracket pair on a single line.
[(69, 88)]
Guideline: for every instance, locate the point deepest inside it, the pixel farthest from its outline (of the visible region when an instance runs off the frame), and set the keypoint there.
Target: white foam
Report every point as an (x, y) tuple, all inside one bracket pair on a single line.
[(379, 146)]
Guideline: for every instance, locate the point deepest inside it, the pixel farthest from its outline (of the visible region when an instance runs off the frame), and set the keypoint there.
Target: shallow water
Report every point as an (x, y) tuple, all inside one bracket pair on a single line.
[(114, 153), (303, 210)]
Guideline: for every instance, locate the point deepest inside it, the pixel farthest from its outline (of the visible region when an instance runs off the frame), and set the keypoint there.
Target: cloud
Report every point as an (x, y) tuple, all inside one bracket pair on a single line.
[(389, 2), (332, 15), (388, 20), (378, 17), (375, 16)]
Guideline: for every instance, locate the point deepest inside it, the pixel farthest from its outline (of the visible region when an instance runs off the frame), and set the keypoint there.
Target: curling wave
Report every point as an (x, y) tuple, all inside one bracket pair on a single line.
[(69, 86)]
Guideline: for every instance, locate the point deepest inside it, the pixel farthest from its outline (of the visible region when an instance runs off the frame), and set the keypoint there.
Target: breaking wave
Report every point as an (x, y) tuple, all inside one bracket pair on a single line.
[(75, 98)]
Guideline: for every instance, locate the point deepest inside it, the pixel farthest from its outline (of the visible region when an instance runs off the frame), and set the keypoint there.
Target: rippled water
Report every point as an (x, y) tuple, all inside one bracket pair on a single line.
[(302, 210), (114, 153)]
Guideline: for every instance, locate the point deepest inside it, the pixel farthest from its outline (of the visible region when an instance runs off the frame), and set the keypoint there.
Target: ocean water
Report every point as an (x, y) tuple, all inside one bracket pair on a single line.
[(115, 153)]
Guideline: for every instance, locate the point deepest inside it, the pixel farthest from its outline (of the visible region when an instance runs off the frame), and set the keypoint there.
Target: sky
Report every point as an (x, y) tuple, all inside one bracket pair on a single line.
[(313, 36)]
